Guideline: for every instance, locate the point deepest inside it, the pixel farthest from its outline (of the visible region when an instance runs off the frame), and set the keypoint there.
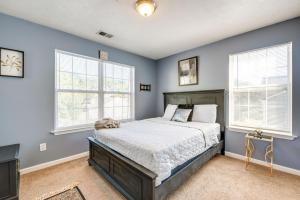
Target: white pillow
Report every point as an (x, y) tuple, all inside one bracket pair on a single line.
[(205, 113), (170, 111)]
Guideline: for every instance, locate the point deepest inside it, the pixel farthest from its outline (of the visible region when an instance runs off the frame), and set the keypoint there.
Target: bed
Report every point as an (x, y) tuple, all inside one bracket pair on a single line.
[(150, 158)]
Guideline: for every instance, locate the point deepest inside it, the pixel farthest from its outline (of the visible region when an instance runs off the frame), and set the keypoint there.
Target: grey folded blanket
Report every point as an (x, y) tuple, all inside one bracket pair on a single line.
[(107, 123)]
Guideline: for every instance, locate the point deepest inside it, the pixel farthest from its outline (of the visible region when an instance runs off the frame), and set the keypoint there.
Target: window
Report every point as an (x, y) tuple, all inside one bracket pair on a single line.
[(260, 89), (88, 89), (117, 91)]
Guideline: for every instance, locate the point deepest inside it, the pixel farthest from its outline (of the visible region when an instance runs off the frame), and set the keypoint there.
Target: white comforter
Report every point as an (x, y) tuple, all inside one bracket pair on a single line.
[(158, 144)]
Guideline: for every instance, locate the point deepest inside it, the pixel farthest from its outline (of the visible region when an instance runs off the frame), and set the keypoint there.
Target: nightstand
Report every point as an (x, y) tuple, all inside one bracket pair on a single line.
[(249, 149), (9, 172)]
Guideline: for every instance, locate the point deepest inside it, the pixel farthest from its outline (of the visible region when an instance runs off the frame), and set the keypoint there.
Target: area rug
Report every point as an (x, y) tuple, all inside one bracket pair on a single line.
[(71, 192)]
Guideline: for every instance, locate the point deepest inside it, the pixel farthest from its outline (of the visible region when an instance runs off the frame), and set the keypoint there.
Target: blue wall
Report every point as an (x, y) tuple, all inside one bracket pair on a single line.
[(213, 74), (27, 105)]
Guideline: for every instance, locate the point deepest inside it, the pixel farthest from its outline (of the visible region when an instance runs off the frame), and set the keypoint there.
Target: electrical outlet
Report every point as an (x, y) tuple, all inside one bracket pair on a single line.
[(43, 147)]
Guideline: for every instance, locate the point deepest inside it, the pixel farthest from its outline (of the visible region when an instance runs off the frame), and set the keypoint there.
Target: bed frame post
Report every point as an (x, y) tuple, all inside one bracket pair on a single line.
[(223, 140)]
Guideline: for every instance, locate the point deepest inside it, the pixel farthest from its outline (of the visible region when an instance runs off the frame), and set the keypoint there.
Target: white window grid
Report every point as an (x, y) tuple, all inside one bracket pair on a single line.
[(100, 90), (233, 89)]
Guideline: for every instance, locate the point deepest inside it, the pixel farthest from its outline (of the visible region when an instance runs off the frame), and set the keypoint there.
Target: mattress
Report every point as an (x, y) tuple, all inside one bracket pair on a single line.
[(160, 145)]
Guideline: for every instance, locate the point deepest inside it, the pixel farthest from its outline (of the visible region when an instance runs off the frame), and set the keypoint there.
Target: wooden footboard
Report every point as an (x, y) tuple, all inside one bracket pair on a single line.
[(137, 182), (132, 180), (177, 179)]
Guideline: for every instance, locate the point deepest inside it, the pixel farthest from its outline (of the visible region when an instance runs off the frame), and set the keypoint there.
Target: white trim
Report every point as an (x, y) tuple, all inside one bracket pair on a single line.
[(262, 48), (92, 58), (132, 97), (77, 55), (275, 134), (263, 163), (72, 130), (290, 74), (80, 128), (85, 154), (53, 163)]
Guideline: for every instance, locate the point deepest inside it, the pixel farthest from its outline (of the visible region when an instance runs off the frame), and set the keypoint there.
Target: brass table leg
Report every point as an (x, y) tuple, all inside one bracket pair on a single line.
[(269, 157), (249, 149)]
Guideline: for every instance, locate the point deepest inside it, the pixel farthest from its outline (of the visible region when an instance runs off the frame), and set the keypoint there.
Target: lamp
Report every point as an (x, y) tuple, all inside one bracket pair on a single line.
[(145, 7)]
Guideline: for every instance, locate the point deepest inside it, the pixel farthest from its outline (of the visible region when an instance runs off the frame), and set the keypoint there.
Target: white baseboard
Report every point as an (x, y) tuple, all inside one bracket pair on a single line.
[(260, 162), (52, 163), (84, 154)]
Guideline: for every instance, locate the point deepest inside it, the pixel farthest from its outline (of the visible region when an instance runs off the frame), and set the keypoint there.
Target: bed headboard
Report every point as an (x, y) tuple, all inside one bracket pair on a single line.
[(199, 97)]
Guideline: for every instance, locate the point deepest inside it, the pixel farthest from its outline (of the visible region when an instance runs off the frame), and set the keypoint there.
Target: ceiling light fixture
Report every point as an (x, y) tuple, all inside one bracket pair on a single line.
[(145, 7)]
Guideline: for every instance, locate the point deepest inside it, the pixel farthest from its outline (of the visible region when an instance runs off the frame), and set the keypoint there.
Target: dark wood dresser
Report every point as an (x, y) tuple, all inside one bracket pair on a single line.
[(9, 172)]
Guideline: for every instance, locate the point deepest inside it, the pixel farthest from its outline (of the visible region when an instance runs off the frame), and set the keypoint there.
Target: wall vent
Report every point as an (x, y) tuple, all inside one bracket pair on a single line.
[(104, 34)]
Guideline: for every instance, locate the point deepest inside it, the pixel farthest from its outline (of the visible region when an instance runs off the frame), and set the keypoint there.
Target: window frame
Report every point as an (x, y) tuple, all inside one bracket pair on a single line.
[(89, 126), (132, 88), (277, 133)]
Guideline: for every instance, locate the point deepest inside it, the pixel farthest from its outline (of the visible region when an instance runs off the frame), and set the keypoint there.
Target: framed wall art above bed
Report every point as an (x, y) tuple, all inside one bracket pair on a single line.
[(188, 71)]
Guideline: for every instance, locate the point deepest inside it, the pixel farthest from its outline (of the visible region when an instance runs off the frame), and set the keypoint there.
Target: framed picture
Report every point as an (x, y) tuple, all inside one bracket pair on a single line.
[(188, 71), (145, 87), (103, 55), (12, 63)]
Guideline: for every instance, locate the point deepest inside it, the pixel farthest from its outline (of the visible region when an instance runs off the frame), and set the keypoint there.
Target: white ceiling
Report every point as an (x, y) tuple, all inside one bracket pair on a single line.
[(176, 25)]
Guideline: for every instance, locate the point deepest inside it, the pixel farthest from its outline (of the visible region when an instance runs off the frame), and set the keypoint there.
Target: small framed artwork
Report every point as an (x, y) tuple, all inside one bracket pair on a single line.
[(145, 87), (103, 55), (12, 63), (188, 71)]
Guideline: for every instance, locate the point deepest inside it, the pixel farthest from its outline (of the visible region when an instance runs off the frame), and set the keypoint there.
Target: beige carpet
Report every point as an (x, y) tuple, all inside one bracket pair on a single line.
[(221, 178)]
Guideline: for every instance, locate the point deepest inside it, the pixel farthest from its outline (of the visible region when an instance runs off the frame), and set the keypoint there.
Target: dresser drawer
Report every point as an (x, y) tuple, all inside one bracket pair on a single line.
[(8, 180), (9, 172)]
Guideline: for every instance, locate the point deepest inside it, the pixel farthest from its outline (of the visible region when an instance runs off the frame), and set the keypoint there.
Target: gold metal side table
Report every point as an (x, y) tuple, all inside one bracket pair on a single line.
[(249, 149)]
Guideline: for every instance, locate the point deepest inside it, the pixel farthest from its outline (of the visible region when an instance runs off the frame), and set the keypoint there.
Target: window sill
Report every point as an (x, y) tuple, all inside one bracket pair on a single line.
[(72, 130), (78, 129), (275, 134)]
